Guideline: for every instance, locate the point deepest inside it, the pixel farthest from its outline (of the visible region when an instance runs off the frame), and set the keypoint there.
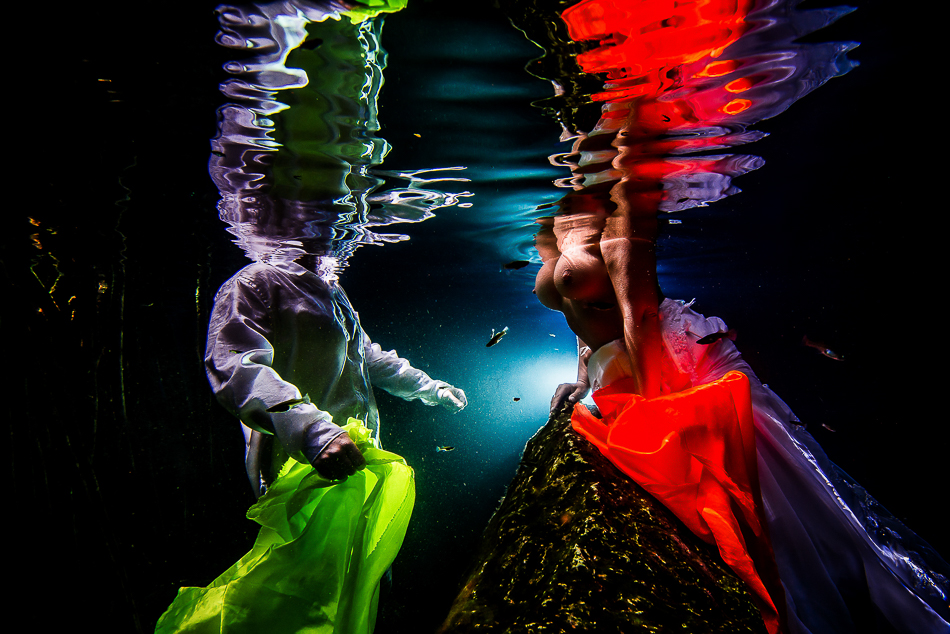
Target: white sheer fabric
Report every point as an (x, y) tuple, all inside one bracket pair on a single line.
[(848, 566)]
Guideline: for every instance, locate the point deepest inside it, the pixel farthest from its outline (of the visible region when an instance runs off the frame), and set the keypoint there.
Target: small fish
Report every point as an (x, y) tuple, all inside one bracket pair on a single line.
[(496, 336), (514, 265), (820, 347), (445, 448), (716, 336)]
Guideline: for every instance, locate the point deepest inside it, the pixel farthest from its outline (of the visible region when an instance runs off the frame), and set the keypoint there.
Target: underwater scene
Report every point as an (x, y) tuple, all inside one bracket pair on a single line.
[(628, 340)]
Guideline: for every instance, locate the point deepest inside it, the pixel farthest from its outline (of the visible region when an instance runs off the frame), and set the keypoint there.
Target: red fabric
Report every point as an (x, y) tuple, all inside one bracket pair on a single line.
[(694, 451)]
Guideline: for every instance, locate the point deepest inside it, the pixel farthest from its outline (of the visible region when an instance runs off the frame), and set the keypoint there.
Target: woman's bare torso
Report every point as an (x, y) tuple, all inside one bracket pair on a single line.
[(577, 284)]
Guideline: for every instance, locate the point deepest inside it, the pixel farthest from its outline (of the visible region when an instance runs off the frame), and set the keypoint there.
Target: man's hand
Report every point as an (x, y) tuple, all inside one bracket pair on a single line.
[(339, 459), (567, 395), (452, 398)]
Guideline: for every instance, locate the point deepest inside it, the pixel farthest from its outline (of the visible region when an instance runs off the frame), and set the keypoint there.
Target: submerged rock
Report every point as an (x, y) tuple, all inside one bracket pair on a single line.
[(576, 545)]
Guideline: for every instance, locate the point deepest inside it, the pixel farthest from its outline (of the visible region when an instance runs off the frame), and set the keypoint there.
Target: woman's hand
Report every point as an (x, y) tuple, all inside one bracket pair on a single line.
[(567, 395)]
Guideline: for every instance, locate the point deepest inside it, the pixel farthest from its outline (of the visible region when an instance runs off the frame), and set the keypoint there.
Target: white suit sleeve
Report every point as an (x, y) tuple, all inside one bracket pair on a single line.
[(239, 360), (390, 372)]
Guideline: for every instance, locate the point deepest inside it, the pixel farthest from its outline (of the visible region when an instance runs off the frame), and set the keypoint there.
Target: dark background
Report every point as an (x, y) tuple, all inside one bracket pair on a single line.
[(127, 476)]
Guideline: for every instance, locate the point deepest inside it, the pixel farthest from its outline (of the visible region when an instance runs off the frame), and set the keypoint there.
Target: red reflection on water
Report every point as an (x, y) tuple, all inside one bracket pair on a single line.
[(663, 78), (639, 39)]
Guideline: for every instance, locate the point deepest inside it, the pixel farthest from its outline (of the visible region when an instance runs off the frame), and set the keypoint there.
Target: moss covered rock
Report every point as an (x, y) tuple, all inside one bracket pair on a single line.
[(576, 545)]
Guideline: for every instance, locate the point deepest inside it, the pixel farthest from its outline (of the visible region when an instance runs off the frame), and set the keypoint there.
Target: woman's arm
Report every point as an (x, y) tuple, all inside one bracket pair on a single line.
[(239, 360), (568, 394), (628, 246)]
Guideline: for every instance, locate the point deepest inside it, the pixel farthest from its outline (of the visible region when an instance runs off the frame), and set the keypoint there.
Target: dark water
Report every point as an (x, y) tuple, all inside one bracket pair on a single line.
[(127, 476)]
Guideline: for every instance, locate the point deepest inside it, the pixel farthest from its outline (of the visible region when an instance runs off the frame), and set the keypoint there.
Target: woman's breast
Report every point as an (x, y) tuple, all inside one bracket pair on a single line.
[(581, 275)]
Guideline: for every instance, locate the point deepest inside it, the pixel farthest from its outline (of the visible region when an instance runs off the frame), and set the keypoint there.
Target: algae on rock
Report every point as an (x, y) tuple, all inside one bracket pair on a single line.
[(576, 545)]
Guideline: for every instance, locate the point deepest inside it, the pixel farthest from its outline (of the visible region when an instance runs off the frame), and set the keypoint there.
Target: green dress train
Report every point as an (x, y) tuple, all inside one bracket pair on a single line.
[(322, 549)]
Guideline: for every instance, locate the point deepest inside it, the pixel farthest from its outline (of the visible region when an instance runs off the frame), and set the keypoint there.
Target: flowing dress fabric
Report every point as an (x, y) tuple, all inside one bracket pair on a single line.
[(847, 565), (694, 451), (316, 564)]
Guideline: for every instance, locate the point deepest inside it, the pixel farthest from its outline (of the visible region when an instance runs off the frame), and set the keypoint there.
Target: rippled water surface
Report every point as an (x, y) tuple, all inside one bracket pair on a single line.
[(132, 476)]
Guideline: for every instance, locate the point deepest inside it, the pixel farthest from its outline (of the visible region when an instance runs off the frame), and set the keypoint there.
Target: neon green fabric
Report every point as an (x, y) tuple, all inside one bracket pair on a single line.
[(317, 561), (372, 8)]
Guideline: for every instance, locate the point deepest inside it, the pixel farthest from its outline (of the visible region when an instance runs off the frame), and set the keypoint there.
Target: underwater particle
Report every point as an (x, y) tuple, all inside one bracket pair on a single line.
[(828, 428), (33, 221), (496, 336), (218, 153), (418, 136), (822, 348), (514, 265), (445, 448), (551, 334), (516, 399), (674, 221), (716, 336), (103, 286)]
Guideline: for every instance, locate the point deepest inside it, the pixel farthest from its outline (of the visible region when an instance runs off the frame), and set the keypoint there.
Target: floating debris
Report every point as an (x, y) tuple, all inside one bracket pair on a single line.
[(496, 336), (445, 448), (822, 348), (716, 336)]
